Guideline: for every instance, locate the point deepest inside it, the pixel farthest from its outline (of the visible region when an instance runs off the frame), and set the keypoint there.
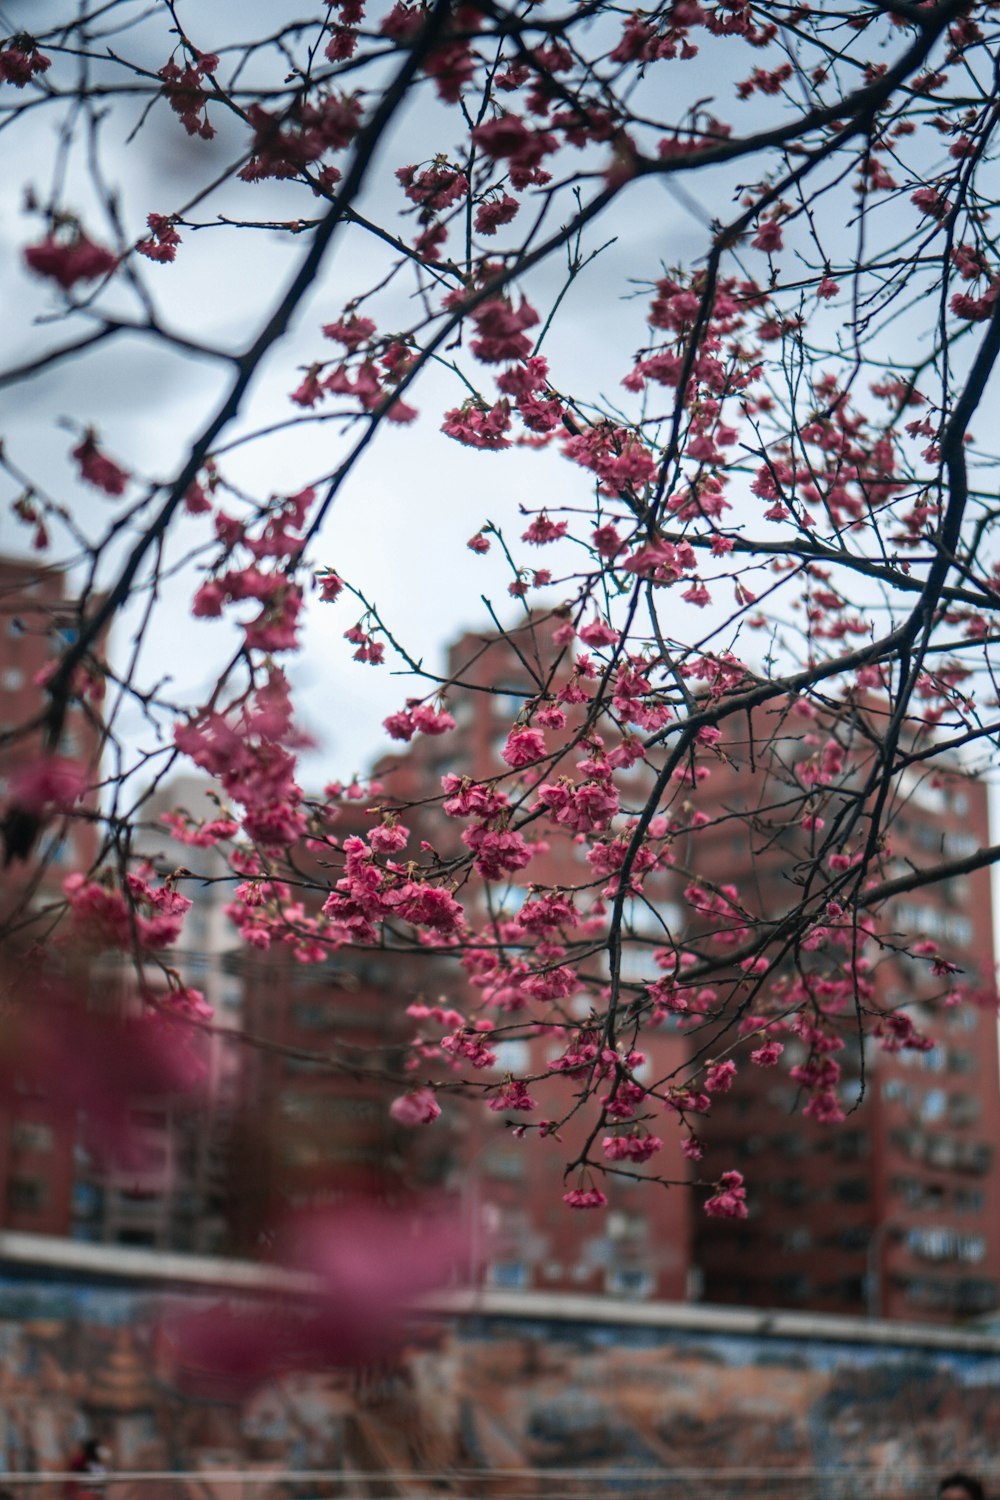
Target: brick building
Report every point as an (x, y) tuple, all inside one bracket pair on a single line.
[(895, 1211), (271, 1131), (527, 1237), (61, 999), (37, 619), (313, 1127), (37, 1157), (177, 1194)]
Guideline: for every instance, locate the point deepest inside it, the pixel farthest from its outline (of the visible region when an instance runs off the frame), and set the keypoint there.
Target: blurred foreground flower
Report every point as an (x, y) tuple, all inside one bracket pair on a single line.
[(343, 1291), (48, 783), (38, 789), (95, 1063)]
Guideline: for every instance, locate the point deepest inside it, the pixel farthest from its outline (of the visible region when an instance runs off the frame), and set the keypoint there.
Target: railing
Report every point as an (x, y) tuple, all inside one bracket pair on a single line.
[(596, 1482)]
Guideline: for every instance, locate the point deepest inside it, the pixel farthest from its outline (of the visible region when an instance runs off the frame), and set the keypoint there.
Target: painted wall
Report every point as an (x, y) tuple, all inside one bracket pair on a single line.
[(496, 1405)]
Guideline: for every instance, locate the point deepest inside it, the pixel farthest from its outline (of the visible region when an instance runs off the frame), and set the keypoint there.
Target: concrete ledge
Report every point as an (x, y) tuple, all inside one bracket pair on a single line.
[(702, 1318), (21, 1254)]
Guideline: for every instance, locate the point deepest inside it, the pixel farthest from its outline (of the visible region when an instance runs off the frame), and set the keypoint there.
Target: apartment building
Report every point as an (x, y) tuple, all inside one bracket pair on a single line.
[(896, 1210), (527, 1236), (37, 1137), (61, 1171)]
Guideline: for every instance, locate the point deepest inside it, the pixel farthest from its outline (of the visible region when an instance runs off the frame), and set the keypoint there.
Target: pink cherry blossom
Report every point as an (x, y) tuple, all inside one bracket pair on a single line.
[(585, 1198), (729, 1199), (417, 1108), (50, 783), (523, 747), (98, 469), (69, 261)]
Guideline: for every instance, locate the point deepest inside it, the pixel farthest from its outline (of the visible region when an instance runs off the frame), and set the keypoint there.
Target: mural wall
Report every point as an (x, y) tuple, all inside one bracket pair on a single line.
[(486, 1406)]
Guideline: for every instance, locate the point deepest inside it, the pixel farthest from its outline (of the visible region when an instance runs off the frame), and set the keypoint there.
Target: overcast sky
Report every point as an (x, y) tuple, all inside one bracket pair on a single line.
[(400, 525)]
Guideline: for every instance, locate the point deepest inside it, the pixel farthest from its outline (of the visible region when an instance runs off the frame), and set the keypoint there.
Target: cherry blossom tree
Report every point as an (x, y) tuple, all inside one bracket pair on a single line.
[(772, 555)]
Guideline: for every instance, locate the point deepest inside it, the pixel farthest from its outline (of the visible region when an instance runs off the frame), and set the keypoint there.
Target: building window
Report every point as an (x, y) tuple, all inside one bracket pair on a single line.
[(751, 1145), (894, 1089), (505, 1166), (314, 1015), (935, 1243), (919, 791), (32, 1135), (27, 1195), (933, 1106), (799, 1238), (649, 920), (792, 1288), (638, 965), (963, 1109), (976, 1294), (851, 1190), (850, 1145), (969, 1295), (918, 1194), (500, 744), (973, 1156), (928, 1291), (513, 1055), (629, 1281), (857, 1237), (790, 1190), (933, 923), (956, 891), (927, 836), (627, 1226), (88, 1200), (510, 697), (509, 1275), (59, 851)]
